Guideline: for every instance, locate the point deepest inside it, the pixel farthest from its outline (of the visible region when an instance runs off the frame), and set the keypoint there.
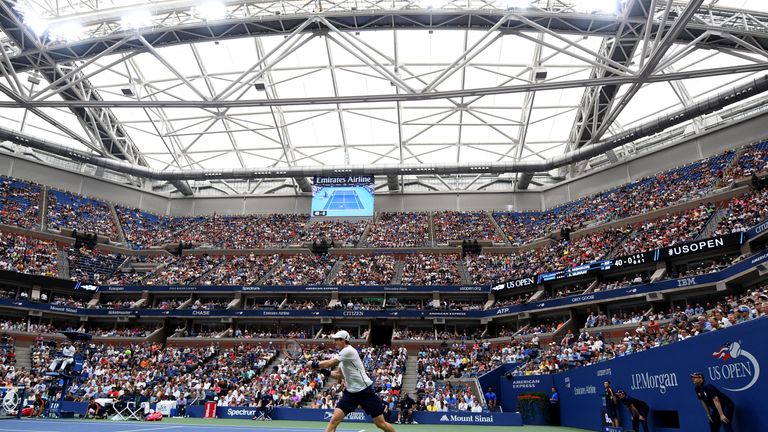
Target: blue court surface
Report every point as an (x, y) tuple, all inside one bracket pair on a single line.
[(345, 199), (30, 425)]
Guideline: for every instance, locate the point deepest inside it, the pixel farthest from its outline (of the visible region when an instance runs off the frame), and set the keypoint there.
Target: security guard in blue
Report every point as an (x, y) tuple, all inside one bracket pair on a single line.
[(637, 409), (717, 405)]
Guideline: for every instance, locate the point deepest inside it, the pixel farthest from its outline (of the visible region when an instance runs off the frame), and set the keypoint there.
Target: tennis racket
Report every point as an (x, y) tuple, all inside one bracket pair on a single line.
[(293, 349)]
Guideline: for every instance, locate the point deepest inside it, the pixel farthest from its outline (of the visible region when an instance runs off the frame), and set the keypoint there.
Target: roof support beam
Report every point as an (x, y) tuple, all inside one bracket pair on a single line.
[(659, 50), (706, 106), (486, 91), (174, 24)]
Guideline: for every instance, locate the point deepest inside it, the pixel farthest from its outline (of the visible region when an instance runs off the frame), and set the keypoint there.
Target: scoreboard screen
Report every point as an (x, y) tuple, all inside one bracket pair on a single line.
[(342, 196)]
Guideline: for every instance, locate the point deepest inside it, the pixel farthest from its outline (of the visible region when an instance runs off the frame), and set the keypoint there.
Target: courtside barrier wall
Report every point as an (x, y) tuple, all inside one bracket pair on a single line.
[(735, 360), (309, 414)]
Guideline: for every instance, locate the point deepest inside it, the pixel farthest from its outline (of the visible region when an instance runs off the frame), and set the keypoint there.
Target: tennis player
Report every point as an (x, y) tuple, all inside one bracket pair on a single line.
[(359, 390)]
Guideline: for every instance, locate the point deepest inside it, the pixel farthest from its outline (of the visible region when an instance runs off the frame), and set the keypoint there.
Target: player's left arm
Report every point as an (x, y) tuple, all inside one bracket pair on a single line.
[(719, 407), (324, 364)]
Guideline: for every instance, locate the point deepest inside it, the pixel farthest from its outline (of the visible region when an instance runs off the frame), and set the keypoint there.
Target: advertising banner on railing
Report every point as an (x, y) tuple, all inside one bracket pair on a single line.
[(734, 360), (758, 230), (632, 290), (638, 259), (700, 246), (255, 289)]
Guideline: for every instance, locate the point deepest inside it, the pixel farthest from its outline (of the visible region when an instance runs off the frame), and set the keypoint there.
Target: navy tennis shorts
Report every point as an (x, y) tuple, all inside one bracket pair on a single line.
[(366, 399)]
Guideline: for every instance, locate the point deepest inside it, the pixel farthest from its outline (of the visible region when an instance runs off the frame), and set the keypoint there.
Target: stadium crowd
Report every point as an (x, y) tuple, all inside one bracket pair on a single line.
[(366, 270), (85, 215), (240, 270), (431, 269), (19, 203), (454, 225), (393, 230)]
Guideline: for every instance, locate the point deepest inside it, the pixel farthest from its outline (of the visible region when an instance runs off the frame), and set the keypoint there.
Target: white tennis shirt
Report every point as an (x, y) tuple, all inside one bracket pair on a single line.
[(354, 372)]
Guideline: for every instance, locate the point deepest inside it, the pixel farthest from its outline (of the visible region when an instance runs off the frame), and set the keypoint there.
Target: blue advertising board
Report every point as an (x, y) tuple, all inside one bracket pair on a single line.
[(733, 360), (309, 414)]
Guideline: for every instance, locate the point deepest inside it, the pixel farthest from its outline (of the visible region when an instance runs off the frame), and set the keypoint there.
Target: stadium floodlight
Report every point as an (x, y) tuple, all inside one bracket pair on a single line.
[(434, 4), (33, 20), (597, 6), (515, 4), (136, 20), (212, 10), (67, 32)]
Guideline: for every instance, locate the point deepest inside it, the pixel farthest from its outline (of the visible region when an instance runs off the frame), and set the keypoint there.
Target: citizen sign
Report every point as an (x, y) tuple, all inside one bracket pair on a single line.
[(760, 228)]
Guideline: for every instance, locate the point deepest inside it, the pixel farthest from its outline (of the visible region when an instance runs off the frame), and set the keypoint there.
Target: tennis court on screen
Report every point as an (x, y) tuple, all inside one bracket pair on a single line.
[(344, 199)]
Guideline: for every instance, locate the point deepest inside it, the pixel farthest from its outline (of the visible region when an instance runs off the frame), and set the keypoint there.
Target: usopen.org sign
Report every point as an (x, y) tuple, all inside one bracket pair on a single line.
[(735, 368)]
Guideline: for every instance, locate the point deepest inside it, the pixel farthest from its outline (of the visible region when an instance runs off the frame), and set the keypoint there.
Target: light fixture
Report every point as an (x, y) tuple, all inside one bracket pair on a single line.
[(212, 10), (597, 6), (67, 32), (136, 20), (33, 20), (515, 4)]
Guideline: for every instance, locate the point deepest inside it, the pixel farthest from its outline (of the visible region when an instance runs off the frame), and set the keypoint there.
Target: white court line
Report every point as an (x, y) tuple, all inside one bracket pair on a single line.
[(191, 426), (16, 430), (147, 429)]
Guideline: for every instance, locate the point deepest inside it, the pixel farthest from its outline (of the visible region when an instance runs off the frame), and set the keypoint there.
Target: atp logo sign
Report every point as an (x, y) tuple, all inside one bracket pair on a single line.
[(739, 369)]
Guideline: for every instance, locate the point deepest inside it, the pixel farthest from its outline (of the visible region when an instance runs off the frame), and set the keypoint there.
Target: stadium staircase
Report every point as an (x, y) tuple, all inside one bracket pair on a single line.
[(498, 229), (431, 230), (711, 226), (43, 213), (463, 272), (364, 236), (398, 276), (23, 357), (733, 164), (268, 274), (63, 264), (202, 275), (615, 250), (337, 265), (120, 234), (411, 375)]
